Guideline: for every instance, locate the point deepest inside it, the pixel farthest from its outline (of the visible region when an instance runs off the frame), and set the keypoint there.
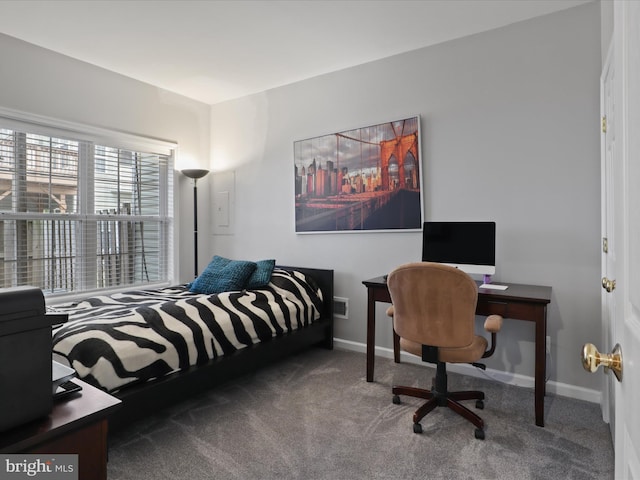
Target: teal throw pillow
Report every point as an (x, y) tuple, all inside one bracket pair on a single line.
[(261, 276), (223, 275)]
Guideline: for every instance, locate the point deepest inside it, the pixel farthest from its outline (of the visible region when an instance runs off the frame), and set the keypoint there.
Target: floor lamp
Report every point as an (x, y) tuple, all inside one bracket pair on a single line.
[(195, 174)]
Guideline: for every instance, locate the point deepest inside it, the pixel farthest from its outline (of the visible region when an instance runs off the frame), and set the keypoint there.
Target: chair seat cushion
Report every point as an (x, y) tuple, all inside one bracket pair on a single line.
[(471, 353)]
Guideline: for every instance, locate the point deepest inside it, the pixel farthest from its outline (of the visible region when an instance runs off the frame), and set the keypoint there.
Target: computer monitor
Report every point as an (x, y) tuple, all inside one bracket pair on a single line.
[(469, 246)]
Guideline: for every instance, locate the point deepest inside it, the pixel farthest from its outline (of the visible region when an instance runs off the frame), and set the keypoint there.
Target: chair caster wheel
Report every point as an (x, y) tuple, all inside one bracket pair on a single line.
[(479, 434), (479, 404), (417, 428), (396, 399)]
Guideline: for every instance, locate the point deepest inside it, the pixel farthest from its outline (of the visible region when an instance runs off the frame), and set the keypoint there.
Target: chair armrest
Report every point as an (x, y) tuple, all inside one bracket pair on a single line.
[(390, 311), (493, 323)]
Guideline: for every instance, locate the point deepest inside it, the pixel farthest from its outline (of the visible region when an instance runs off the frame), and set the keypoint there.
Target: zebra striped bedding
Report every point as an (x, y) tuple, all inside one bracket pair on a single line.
[(127, 338)]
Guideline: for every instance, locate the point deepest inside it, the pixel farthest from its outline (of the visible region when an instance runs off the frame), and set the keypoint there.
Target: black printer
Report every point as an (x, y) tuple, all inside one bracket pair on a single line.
[(25, 357)]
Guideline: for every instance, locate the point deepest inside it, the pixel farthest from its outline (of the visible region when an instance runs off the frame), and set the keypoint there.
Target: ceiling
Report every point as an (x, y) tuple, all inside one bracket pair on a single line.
[(216, 50)]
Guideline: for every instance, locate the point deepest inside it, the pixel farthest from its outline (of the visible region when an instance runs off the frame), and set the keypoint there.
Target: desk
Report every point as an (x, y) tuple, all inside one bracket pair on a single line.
[(75, 425), (519, 302)]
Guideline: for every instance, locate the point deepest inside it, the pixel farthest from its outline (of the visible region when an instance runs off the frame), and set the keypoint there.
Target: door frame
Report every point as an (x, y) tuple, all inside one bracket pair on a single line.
[(608, 324)]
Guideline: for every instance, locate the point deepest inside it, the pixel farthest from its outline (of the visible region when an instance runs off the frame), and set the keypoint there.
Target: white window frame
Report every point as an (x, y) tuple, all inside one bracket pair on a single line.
[(90, 135)]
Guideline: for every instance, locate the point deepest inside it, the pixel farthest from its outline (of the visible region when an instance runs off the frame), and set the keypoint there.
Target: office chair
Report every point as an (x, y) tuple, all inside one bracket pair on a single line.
[(434, 315)]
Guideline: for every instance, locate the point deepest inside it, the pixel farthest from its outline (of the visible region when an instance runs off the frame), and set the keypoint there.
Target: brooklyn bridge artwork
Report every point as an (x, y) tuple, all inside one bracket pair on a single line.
[(360, 180)]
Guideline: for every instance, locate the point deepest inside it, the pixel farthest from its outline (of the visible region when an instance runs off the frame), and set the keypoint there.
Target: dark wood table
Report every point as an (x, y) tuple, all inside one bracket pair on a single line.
[(519, 302), (76, 425)]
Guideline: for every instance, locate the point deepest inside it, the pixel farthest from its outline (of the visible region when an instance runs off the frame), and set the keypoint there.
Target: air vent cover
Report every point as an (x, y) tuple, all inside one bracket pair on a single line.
[(340, 307)]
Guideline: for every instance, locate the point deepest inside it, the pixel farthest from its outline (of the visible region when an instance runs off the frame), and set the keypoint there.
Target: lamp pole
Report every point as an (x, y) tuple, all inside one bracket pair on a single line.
[(195, 174)]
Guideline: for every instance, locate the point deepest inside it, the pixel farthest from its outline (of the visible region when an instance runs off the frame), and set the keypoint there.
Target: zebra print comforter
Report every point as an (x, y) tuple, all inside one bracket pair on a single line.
[(113, 341)]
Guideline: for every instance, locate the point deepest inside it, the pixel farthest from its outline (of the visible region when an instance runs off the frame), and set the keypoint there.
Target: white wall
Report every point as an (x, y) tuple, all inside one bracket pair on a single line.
[(41, 82), (509, 133), (606, 27)]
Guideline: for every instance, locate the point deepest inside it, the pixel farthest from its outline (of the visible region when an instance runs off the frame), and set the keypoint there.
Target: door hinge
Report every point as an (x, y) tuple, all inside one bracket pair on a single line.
[(604, 124), (605, 244)]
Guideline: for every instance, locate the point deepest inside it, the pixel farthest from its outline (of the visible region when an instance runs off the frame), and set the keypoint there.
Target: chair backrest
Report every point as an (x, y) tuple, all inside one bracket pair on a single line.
[(434, 304)]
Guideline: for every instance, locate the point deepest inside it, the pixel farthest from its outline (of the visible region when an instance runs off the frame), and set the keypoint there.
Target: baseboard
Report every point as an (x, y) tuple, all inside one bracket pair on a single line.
[(556, 388)]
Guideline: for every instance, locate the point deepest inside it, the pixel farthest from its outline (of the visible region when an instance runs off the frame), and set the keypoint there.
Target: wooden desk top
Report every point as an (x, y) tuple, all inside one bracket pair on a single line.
[(514, 292), (79, 409), (517, 291)]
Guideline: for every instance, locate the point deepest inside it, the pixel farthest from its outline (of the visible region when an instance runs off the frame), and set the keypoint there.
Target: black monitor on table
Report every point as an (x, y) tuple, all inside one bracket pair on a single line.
[(469, 246)]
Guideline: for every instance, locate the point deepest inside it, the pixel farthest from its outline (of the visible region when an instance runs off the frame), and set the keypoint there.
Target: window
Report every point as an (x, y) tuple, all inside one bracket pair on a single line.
[(81, 214)]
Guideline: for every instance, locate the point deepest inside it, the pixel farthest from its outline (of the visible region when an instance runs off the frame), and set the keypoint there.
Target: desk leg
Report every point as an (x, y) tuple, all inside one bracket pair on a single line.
[(371, 333), (541, 364)]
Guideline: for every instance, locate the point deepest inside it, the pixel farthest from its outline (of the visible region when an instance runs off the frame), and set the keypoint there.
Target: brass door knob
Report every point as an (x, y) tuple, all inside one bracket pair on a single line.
[(608, 285), (592, 359)]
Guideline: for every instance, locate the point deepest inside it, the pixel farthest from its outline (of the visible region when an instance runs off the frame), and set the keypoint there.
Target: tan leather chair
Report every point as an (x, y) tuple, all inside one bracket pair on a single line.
[(434, 315)]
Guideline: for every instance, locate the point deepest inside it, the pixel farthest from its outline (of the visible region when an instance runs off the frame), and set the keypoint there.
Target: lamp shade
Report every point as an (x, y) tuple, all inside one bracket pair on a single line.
[(194, 173)]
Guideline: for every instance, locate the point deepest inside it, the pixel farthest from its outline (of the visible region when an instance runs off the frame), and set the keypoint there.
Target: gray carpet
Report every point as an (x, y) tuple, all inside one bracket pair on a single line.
[(313, 416)]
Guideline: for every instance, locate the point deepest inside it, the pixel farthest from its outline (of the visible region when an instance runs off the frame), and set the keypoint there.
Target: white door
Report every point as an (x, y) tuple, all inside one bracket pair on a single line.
[(626, 218)]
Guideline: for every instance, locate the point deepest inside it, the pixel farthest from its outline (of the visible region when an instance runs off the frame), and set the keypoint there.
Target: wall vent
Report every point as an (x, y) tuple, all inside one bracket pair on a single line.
[(340, 307)]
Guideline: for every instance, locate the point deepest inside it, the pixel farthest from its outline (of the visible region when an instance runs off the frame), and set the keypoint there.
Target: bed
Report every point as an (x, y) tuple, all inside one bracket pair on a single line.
[(152, 348)]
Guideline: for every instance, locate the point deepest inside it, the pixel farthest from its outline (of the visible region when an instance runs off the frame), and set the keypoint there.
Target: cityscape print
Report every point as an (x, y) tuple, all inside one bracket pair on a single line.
[(366, 179)]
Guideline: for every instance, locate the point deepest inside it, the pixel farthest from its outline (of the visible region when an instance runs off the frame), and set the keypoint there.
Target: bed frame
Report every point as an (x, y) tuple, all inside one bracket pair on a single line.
[(142, 399)]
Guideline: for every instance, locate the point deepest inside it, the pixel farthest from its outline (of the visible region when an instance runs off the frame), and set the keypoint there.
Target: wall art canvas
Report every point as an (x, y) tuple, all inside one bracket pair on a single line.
[(360, 180)]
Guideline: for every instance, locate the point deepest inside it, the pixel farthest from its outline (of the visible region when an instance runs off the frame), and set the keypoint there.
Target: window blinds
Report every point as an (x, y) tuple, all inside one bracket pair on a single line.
[(78, 216)]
